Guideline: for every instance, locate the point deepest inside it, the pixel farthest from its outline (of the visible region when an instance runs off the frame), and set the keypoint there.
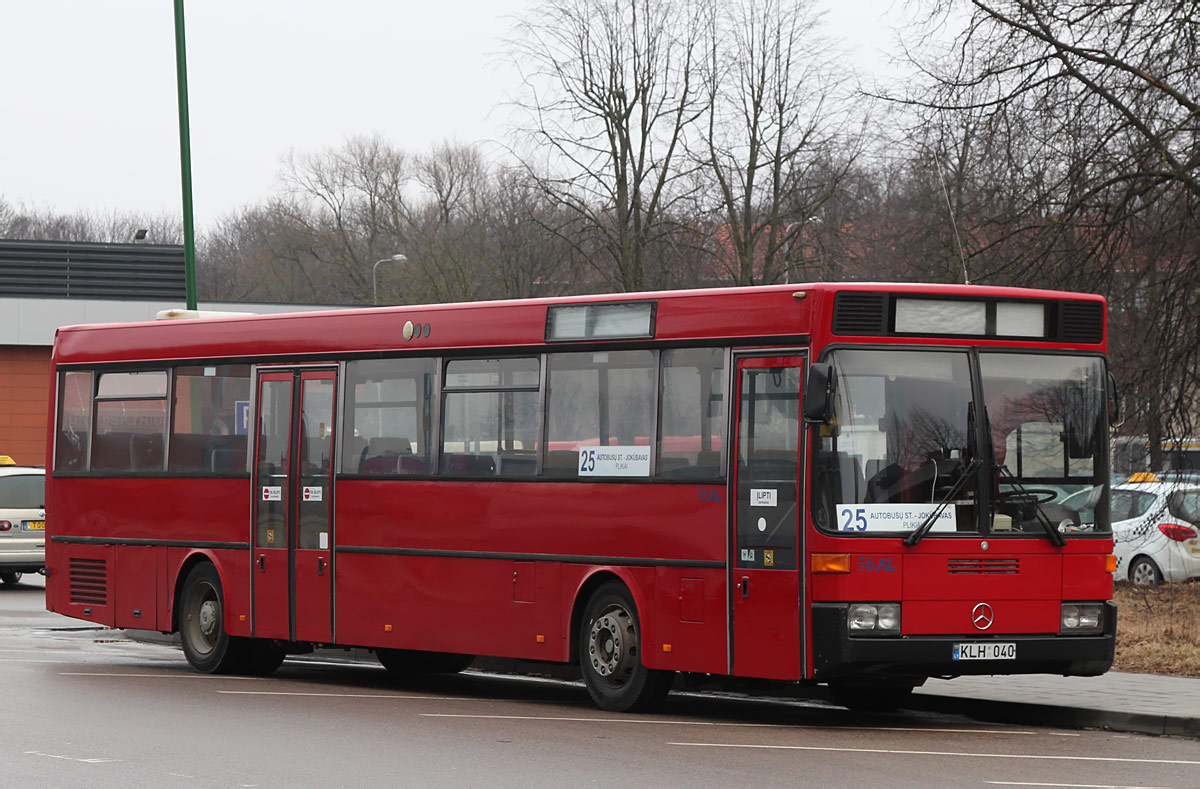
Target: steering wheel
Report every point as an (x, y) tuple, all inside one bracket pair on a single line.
[(1031, 495)]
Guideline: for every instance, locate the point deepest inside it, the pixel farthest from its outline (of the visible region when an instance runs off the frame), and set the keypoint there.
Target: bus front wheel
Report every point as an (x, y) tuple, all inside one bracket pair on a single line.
[(206, 645), (610, 654)]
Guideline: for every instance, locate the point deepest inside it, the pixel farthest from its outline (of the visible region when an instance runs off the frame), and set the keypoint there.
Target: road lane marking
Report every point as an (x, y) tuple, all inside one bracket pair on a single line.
[(732, 725), (966, 754), (1070, 786), (342, 695), (157, 676), (94, 760)]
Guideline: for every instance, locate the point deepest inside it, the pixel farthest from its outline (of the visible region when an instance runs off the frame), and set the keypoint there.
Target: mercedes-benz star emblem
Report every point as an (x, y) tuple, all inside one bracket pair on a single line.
[(982, 616)]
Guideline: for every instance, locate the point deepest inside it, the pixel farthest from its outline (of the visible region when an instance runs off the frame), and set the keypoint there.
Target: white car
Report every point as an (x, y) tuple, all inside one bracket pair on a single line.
[(1155, 536), (22, 522)]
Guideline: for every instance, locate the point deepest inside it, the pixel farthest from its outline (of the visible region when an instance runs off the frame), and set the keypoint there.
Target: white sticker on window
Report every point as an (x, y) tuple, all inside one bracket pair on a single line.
[(893, 517), (763, 497), (272, 493), (323, 540), (614, 461), (314, 494)]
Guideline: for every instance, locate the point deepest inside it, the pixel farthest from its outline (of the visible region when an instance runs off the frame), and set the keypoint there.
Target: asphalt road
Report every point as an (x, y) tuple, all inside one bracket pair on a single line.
[(89, 707)]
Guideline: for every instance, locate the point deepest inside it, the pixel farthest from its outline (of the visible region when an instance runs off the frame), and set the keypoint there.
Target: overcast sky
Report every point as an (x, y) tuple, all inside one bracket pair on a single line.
[(90, 120)]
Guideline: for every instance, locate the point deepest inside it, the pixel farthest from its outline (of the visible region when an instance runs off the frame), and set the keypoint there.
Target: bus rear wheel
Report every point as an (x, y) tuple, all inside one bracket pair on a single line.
[(610, 651), (206, 645), (10, 579)]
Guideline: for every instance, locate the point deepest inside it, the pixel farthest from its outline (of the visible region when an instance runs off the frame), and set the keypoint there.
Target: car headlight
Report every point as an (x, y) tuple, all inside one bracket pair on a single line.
[(873, 619), (1081, 618)]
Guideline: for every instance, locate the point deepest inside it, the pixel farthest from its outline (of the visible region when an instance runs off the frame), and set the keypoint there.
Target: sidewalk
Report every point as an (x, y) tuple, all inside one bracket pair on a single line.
[(1142, 703)]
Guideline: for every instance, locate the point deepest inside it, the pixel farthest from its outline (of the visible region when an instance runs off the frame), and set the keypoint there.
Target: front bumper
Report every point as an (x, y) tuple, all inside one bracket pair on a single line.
[(837, 655)]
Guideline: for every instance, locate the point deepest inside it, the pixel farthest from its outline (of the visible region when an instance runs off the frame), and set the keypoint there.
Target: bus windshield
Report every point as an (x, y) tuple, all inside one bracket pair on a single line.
[(905, 448), (1048, 438)]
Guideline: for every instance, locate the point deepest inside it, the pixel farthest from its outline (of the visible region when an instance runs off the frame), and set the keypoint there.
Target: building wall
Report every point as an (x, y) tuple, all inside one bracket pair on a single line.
[(24, 399)]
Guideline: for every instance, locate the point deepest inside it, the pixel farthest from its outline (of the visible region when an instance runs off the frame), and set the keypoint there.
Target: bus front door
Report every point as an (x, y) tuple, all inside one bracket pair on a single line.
[(765, 583), (293, 574)]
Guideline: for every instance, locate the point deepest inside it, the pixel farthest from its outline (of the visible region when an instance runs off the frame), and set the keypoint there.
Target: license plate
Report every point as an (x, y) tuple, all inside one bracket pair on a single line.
[(988, 650), (35, 525)]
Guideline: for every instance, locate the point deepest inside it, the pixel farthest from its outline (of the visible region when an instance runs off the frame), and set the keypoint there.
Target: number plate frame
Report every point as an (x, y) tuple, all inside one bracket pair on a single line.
[(984, 650)]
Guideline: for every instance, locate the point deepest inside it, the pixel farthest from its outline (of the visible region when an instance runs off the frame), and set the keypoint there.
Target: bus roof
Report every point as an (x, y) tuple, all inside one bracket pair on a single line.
[(773, 313)]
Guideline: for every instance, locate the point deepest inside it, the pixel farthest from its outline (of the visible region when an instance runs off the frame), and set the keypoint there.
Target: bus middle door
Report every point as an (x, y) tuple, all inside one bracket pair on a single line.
[(293, 576), (765, 586)]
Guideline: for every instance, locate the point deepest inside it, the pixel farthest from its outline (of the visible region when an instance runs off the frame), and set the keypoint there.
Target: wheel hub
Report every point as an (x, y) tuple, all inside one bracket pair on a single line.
[(208, 618), (609, 645)]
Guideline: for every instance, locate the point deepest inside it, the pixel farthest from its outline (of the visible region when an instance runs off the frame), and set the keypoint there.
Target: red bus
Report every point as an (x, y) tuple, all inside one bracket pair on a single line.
[(854, 484)]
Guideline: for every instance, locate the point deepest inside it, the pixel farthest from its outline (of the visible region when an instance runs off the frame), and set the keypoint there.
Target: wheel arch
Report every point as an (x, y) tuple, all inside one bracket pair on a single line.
[(1133, 560), (587, 587), (191, 560)]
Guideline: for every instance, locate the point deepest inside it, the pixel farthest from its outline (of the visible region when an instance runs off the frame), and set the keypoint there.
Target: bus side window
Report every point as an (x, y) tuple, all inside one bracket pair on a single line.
[(596, 399), (388, 429), (206, 437), (692, 413)]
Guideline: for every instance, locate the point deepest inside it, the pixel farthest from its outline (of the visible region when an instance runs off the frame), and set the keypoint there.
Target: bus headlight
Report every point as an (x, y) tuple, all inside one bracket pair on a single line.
[(1081, 618), (873, 619)]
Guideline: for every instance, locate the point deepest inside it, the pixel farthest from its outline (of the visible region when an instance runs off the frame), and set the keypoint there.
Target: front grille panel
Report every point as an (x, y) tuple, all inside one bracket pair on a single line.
[(88, 580), (979, 566)]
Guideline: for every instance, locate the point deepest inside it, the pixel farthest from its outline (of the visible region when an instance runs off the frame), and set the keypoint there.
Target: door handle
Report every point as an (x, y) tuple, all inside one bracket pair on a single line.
[(262, 563), (320, 565), (745, 587)]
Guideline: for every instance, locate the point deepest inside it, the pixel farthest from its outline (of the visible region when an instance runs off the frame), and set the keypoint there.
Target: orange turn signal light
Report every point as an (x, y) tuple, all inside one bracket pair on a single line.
[(1110, 563), (831, 562)]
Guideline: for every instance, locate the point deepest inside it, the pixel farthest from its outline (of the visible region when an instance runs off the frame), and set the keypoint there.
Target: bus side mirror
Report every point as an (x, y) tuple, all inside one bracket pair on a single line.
[(819, 392), (1115, 415)]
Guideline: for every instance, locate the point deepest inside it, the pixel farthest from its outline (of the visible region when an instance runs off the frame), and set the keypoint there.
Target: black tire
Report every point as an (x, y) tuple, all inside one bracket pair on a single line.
[(403, 662), (260, 657), (10, 579), (610, 649), (1144, 572), (872, 698), (206, 645)]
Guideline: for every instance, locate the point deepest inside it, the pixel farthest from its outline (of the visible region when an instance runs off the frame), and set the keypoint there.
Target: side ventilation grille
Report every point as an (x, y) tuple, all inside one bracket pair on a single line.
[(860, 313), (1081, 322), (89, 581), (977, 566)]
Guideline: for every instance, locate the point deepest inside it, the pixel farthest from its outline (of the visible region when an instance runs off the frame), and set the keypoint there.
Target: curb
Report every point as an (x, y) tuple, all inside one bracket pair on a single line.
[(1055, 715)]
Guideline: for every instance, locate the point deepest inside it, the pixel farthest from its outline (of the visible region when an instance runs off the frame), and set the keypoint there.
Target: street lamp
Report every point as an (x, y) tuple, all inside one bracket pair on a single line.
[(397, 258)]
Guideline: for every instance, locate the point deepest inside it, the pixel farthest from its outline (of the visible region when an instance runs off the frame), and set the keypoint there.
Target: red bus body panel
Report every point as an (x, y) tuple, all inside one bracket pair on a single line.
[(503, 567)]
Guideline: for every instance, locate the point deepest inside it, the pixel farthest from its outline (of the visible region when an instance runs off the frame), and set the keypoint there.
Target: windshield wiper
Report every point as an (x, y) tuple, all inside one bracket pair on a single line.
[(1038, 515), (927, 524)]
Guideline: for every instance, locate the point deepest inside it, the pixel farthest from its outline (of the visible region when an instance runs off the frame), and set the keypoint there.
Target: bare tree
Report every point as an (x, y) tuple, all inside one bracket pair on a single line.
[(609, 88), (775, 138), (1090, 108), (112, 227), (346, 205)]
